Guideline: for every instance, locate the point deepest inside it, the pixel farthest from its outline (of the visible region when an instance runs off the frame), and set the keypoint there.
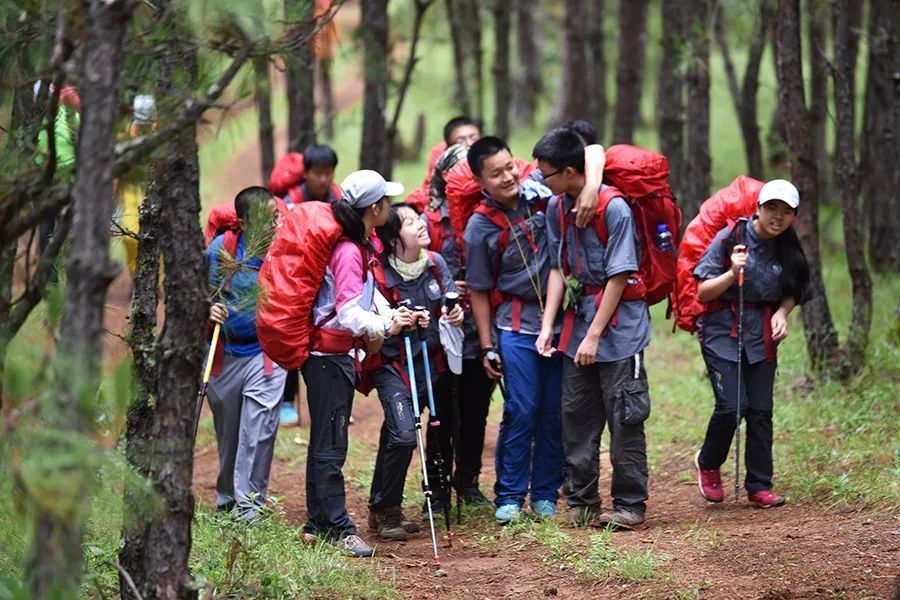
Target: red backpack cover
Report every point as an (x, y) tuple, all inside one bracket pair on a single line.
[(724, 208), (642, 178), (290, 278), (419, 199), (287, 173), (464, 196)]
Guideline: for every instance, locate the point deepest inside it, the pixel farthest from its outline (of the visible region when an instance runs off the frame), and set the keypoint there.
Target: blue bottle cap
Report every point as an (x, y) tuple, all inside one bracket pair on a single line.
[(660, 228)]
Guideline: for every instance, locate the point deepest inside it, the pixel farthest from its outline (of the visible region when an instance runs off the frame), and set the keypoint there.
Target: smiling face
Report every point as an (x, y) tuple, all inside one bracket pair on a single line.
[(413, 235), (500, 177), (560, 181), (775, 216)]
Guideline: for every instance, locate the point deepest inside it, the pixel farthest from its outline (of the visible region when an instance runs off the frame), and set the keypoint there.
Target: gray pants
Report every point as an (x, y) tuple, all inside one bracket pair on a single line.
[(245, 404), (613, 395)]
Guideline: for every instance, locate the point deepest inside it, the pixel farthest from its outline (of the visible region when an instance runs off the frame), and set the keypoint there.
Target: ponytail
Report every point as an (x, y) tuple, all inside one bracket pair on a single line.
[(794, 267), (390, 231), (351, 220)]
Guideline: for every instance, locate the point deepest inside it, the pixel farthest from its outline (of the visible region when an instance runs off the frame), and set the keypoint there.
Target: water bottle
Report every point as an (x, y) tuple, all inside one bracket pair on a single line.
[(663, 239)]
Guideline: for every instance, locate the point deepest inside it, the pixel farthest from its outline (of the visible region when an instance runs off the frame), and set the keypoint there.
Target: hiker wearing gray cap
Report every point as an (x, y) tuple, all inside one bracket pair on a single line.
[(751, 277), (348, 313)]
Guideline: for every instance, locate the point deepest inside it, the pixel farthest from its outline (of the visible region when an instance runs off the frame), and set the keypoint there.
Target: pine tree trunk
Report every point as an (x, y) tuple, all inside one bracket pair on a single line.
[(374, 33), (821, 337), (670, 94), (630, 68), (596, 91), (818, 97), (160, 443), (698, 162), (502, 83), (475, 29), (263, 97), (458, 37), (530, 82), (55, 565), (300, 62), (847, 17), (572, 102), (880, 152)]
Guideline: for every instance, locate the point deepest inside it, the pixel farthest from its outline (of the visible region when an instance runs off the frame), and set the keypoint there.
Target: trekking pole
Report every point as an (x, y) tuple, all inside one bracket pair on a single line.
[(740, 357), (434, 421), (415, 399), (209, 363), (450, 300)]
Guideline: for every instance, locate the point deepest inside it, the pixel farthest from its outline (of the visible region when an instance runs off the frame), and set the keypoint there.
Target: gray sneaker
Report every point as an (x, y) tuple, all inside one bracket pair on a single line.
[(355, 546), (578, 516), (622, 518)]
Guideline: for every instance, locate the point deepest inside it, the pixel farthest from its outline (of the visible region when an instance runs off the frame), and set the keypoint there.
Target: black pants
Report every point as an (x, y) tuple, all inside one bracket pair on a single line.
[(291, 386), (605, 395), (330, 396), (397, 440), (473, 397), (756, 385)]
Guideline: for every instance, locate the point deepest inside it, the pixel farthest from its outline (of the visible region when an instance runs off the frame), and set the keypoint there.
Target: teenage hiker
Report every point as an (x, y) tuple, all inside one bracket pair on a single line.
[(506, 256), (465, 420), (461, 130), (775, 280), (319, 163), (604, 383), (348, 312), (408, 273), (246, 387)]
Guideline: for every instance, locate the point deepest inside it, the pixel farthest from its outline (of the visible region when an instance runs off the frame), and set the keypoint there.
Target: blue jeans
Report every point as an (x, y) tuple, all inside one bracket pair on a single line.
[(529, 447)]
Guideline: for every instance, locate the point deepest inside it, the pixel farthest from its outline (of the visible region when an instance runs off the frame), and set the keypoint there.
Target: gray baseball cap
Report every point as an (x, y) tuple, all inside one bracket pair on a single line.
[(364, 188)]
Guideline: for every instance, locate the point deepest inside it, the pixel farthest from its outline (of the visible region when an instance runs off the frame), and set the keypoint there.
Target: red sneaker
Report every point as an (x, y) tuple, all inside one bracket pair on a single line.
[(709, 481), (766, 499)]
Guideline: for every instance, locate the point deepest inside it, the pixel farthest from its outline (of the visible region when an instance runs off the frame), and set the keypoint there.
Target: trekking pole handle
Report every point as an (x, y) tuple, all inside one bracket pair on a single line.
[(492, 358), (450, 300), (423, 332), (212, 353)]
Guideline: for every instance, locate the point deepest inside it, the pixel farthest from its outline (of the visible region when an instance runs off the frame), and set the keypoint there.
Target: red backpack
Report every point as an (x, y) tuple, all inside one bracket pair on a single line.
[(419, 199), (287, 173), (724, 208), (290, 278), (295, 194), (641, 177)]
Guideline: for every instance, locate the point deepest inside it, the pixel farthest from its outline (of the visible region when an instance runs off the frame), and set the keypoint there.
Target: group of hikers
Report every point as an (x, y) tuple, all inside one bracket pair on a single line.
[(533, 278)]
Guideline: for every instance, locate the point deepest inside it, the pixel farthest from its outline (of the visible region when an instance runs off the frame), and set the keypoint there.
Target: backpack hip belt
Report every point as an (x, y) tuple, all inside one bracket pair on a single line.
[(632, 291), (768, 339)]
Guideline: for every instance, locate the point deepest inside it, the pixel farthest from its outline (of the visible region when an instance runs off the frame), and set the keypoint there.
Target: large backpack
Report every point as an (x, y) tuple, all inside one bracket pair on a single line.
[(419, 199), (287, 173), (290, 278), (222, 219), (641, 177), (724, 208)]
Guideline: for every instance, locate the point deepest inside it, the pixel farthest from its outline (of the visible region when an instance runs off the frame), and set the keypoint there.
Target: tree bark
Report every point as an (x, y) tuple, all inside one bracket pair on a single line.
[(744, 96), (572, 102), (55, 565), (596, 89), (847, 16), (698, 162), (670, 94), (630, 68), (475, 28), (263, 97), (300, 62), (374, 32), (818, 97), (502, 83), (880, 152), (458, 37), (530, 81), (821, 337)]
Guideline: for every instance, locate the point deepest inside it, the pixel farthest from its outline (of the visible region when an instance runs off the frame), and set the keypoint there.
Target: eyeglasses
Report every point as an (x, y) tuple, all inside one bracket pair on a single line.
[(547, 176)]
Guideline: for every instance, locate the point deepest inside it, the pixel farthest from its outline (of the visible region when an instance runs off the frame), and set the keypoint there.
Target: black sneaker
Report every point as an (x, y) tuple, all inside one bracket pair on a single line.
[(472, 495)]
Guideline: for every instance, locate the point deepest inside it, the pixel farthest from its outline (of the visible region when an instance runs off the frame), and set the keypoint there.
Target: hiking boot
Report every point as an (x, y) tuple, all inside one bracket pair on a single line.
[(766, 499), (376, 517), (543, 509), (709, 481), (472, 495), (354, 546), (621, 518), (438, 503), (579, 516), (508, 513), (392, 525)]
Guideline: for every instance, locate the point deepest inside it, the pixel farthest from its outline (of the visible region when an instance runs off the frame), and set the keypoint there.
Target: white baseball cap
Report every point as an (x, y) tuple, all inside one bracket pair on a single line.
[(364, 188), (779, 189)]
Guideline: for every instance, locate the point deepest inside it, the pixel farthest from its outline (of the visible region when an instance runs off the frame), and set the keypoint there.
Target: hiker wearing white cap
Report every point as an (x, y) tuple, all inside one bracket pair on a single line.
[(348, 312), (756, 269)]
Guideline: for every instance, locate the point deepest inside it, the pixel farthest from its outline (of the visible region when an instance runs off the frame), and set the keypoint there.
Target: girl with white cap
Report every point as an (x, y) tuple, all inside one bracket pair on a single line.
[(766, 253)]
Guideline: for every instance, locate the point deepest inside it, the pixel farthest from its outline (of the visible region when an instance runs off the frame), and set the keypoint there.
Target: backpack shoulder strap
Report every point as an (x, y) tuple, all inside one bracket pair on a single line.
[(435, 229), (492, 214), (381, 283), (605, 196), (435, 270)]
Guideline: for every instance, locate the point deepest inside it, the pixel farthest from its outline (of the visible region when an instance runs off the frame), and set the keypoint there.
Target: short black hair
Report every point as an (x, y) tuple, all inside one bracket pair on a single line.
[(483, 149), (561, 147), (458, 121), (390, 231), (586, 131), (247, 197), (319, 155)]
